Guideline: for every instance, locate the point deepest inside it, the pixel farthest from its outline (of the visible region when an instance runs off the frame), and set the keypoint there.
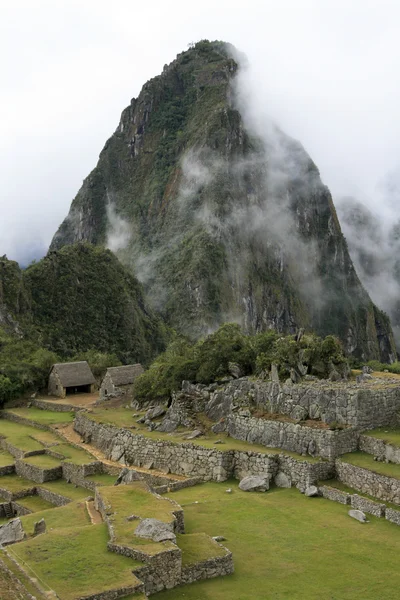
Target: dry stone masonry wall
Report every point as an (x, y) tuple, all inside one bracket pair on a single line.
[(380, 449), (380, 486)]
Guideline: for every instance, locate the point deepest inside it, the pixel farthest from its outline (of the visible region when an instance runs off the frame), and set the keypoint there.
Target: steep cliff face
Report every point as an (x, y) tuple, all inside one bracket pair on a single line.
[(220, 224), (13, 296)]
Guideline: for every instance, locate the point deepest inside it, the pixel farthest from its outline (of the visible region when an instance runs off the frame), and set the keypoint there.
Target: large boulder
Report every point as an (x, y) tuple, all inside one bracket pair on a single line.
[(155, 413), (39, 527), (311, 491), (282, 480), (11, 532), (127, 476), (155, 530), (254, 483), (359, 515)]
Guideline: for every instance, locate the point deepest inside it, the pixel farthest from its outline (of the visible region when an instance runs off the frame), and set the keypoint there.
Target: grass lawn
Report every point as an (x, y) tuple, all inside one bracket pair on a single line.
[(362, 459), (44, 417), (26, 438), (392, 436), (75, 455), (76, 562), (122, 417), (14, 483), (198, 547), (289, 547), (102, 479), (35, 503), (73, 515), (68, 490), (6, 458), (135, 499), (42, 461)]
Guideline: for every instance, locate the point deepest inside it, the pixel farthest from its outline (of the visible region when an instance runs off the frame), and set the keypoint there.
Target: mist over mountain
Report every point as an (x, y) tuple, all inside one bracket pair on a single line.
[(220, 214), (373, 236)]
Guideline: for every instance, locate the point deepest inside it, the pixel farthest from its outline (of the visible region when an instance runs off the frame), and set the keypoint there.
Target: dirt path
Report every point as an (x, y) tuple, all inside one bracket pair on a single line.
[(95, 516)]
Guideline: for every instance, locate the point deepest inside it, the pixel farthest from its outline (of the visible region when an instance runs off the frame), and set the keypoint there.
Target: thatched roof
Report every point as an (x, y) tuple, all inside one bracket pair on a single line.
[(124, 375), (74, 373)]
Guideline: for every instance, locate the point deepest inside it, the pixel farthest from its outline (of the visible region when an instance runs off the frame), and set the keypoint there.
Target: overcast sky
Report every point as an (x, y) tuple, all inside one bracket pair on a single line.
[(326, 70)]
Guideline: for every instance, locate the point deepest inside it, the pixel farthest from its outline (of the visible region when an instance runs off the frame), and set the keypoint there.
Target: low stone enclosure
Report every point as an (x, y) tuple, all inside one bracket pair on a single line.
[(158, 542)]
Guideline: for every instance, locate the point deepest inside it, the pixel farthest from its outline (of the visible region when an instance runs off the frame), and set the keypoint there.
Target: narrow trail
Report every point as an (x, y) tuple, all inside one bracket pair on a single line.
[(72, 436), (94, 514)]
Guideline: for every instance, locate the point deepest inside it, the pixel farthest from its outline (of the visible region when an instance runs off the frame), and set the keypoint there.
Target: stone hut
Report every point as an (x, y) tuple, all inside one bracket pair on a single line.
[(71, 378), (118, 381)]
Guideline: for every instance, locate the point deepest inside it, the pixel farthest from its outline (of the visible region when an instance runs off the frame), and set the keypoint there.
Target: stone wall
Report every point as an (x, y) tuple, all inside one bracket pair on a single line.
[(368, 506), (357, 405), (77, 473), (7, 470), (392, 515), (37, 474), (380, 486), (196, 461), (52, 497), (214, 567), (9, 416), (292, 436), (55, 407), (379, 448), (8, 496), (334, 494)]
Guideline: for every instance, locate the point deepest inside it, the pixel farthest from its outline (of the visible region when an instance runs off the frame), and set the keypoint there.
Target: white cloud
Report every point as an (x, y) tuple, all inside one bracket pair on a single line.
[(326, 71)]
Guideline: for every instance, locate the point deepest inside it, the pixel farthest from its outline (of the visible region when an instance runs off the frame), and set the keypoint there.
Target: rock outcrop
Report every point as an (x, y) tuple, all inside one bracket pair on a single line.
[(219, 223)]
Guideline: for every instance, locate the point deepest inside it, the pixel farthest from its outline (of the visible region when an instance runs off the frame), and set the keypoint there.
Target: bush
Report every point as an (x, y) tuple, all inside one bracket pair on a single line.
[(394, 367)]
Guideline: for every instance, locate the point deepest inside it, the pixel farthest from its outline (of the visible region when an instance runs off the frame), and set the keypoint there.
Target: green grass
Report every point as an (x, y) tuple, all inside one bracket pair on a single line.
[(122, 417), (15, 595), (68, 490), (26, 438), (75, 455), (391, 436), (198, 547), (366, 461), (6, 458), (289, 547), (103, 479), (35, 503), (42, 461), (73, 514), (76, 562), (14, 483), (43, 417), (135, 499)]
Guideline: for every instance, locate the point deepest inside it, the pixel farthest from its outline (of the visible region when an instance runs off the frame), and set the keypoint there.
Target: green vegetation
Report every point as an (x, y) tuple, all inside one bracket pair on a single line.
[(197, 547), (76, 561), (286, 544), (35, 503), (135, 498), (26, 438), (76, 455), (391, 436), (6, 458), (208, 360), (376, 365), (43, 417), (68, 490), (102, 479), (71, 515), (43, 461), (366, 461), (14, 483)]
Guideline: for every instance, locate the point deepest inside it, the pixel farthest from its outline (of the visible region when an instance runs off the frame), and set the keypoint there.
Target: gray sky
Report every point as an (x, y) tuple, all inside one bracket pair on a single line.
[(326, 70)]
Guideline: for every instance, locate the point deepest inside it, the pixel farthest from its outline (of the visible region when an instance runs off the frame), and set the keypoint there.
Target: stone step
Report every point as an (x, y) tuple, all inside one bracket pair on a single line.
[(8, 510)]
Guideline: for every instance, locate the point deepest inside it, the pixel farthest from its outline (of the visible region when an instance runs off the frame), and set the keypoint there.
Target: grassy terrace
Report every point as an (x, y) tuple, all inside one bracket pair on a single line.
[(63, 517), (391, 436), (68, 490), (75, 562), (198, 547), (75, 455), (35, 503), (14, 483), (6, 458), (366, 461), (26, 438), (43, 417), (126, 500), (102, 479), (286, 546), (122, 417), (42, 461)]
